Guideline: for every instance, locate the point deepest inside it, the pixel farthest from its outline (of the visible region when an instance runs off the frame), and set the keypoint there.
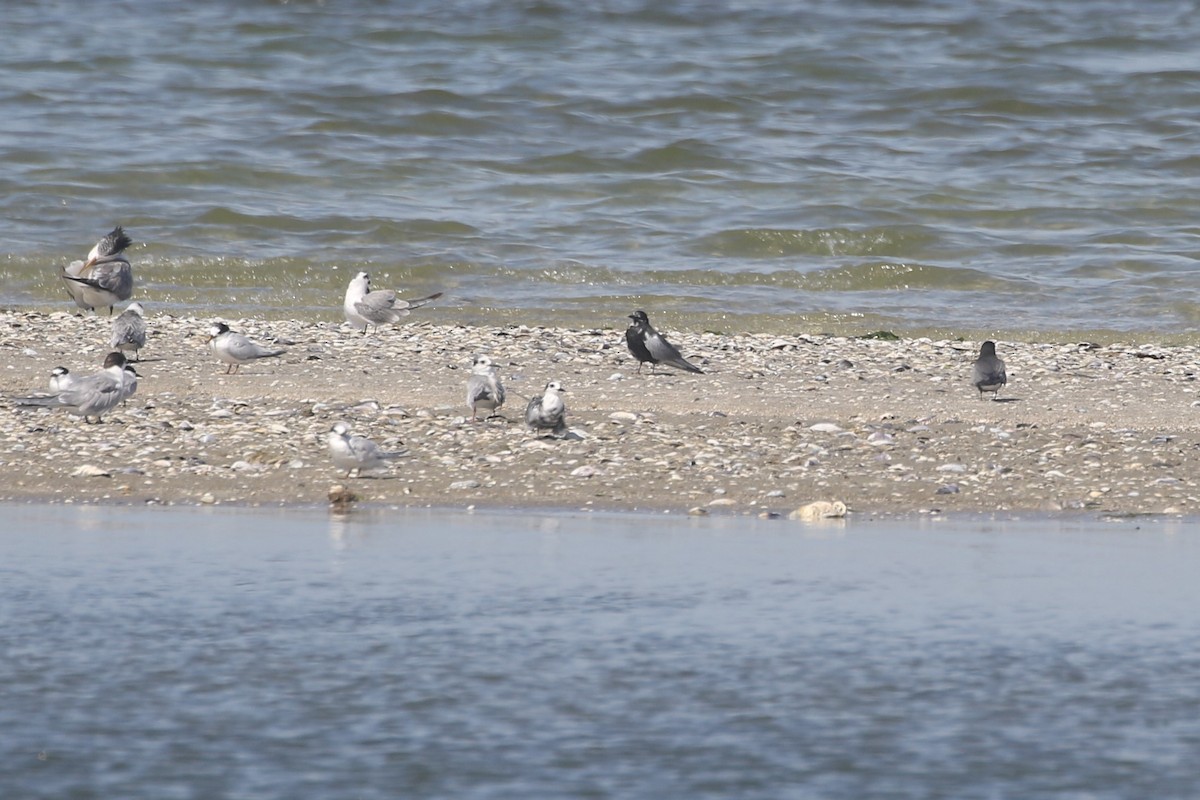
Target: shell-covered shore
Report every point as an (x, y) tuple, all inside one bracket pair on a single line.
[(776, 422)]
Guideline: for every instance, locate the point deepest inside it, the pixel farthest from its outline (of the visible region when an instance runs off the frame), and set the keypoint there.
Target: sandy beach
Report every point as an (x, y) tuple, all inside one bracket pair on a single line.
[(776, 422)]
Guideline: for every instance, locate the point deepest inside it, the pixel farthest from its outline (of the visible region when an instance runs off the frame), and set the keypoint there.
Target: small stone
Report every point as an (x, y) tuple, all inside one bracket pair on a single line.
[(207, 499), (459, 486), (948, 488), (90, 471), (339, 496), (623, 416), (820, 509), (583, 472), (952, 468), (826, 427)]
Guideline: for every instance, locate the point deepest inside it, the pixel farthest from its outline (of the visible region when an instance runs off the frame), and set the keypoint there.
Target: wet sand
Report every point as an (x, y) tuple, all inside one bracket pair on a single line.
[(777, 421)]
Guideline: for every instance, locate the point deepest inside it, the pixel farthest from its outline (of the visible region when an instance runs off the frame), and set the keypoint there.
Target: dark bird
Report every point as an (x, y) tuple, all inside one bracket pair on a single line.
[(105, 278), (648, 345), (989, 373)]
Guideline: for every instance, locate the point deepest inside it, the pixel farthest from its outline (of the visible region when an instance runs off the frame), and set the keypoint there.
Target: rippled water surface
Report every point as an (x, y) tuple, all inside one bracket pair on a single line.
[(190, 654), (1003, 166)]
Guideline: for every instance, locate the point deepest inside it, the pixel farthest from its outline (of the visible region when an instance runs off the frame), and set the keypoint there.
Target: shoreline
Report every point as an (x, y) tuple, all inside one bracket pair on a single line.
[(887, 427)]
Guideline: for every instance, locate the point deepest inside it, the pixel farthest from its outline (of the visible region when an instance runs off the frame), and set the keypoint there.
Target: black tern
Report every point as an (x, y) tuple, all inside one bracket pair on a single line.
[(484, 389), (129, 330), (364, 307), (105, 278), (648, 346), (547, 412), (90, 396), (989, 373), (353, 453), (235, 349)]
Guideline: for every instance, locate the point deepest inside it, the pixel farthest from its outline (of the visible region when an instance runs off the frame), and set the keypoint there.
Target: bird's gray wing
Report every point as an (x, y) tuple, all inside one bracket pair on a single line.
[(129, 328), (660, 348), (95, 392), (365, 451), (484, 387), (241, 348), (380, 307), (665, 353), (112, 274), (989, 372), (420, 301), (533, 412)]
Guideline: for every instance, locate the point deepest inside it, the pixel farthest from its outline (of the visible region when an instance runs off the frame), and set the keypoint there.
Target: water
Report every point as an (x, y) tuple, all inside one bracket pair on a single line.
[(928, 166), (222, 654)]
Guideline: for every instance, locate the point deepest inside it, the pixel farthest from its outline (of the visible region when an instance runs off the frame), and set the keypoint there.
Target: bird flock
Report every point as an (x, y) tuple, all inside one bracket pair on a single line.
[(105, 278)]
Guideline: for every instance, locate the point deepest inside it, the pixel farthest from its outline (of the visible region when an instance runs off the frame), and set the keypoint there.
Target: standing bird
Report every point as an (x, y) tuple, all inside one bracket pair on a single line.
[(235, 349), (648, 345), (105, 278), (363, 307), (989, 373), (90, 396), (129, 330), (548, 412), (355, 452), (484, 389)]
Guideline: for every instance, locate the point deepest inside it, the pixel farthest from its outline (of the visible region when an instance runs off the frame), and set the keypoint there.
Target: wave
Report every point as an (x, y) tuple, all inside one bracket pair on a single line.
[(782, 242)]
